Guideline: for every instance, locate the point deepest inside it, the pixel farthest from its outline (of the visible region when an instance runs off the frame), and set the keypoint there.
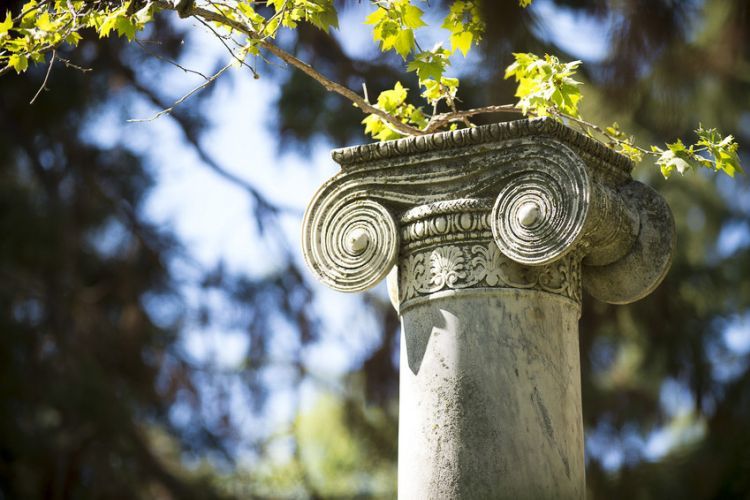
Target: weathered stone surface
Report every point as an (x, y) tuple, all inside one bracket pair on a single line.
[(490, 403), (449, 246), (551, 190), (646, 262), (493, 232)]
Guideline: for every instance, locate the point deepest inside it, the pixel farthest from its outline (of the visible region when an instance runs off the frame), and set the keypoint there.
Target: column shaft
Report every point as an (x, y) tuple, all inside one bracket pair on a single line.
[(490, 399)]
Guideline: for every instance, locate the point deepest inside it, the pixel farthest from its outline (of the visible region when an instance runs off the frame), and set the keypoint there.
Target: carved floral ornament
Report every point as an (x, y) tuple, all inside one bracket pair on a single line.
[(456, 267), (524, 205)]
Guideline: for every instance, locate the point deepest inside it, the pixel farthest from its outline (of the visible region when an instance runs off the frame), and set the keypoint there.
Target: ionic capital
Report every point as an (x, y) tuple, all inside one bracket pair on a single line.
[(525, 204)]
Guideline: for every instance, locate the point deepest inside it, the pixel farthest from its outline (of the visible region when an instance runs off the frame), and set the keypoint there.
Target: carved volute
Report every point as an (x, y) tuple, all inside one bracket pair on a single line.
[(524, 204)]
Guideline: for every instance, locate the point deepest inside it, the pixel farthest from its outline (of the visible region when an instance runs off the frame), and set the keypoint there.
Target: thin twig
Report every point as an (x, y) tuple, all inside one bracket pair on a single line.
[(229, 49), (288, 58), (46, 77), (168, 60), (185, 97), (452, 105), (364, 91), (584, 124), (393, 122), (69, 64)]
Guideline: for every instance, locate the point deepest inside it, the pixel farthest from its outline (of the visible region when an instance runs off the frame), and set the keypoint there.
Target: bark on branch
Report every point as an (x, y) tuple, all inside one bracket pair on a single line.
[(439, 121)]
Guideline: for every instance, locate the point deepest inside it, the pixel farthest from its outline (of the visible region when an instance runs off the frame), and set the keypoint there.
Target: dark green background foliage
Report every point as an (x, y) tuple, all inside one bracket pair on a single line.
[(88, 376), (79, 355)]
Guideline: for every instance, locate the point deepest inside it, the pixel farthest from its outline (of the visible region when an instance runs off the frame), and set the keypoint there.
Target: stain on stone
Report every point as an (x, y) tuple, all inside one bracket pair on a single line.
[(543, 415)]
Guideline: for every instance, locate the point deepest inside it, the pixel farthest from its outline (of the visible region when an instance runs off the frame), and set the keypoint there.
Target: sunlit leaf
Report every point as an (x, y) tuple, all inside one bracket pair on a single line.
[(18, 62)]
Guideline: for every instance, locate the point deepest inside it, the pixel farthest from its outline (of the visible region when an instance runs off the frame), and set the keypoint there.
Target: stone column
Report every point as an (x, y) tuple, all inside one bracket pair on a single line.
[(489, 234)]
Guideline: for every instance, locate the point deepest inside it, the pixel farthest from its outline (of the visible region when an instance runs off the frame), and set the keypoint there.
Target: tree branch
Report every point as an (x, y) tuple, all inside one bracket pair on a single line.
[(263, 207), (43, 86), (438, 121), (290, 59)]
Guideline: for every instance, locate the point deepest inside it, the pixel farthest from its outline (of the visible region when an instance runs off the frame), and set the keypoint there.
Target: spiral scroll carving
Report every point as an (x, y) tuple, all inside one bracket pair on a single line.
[(487, 207), (541, 211), (352, 246)]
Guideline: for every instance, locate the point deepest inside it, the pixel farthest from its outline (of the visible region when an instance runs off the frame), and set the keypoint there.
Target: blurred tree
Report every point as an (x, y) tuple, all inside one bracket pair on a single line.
[(336, 455), (84, 396), (88, 376)]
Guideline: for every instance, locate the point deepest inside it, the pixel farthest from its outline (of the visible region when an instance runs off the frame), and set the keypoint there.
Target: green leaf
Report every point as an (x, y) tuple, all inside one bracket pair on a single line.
[(412, 17), (450, 82), (433, 91), (430, 63), (7, 24), (44, 23), (389, 100), (73, 38), (272, 27), (615, 132), (722, 149), (394, 103), (676, 157), (665, 163), (385, 29), (729, 163), (108, 24), (627, 149), (376, 127), (320, 13), (394, 26), (440, 89), (416, 117), (247, 10), (462, 41), (18, 62), (426, 69), (31, 11), (404, 42), (125, 27), (327, 19), (377, 16), (373, 125), (465, 25)]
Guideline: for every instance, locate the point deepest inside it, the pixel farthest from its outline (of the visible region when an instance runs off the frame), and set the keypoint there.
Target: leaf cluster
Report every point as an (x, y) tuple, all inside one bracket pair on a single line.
[(393, 24), (465, 25), (320, 13), (43, 26), (394, 103), (711, 151), (545, 85)]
